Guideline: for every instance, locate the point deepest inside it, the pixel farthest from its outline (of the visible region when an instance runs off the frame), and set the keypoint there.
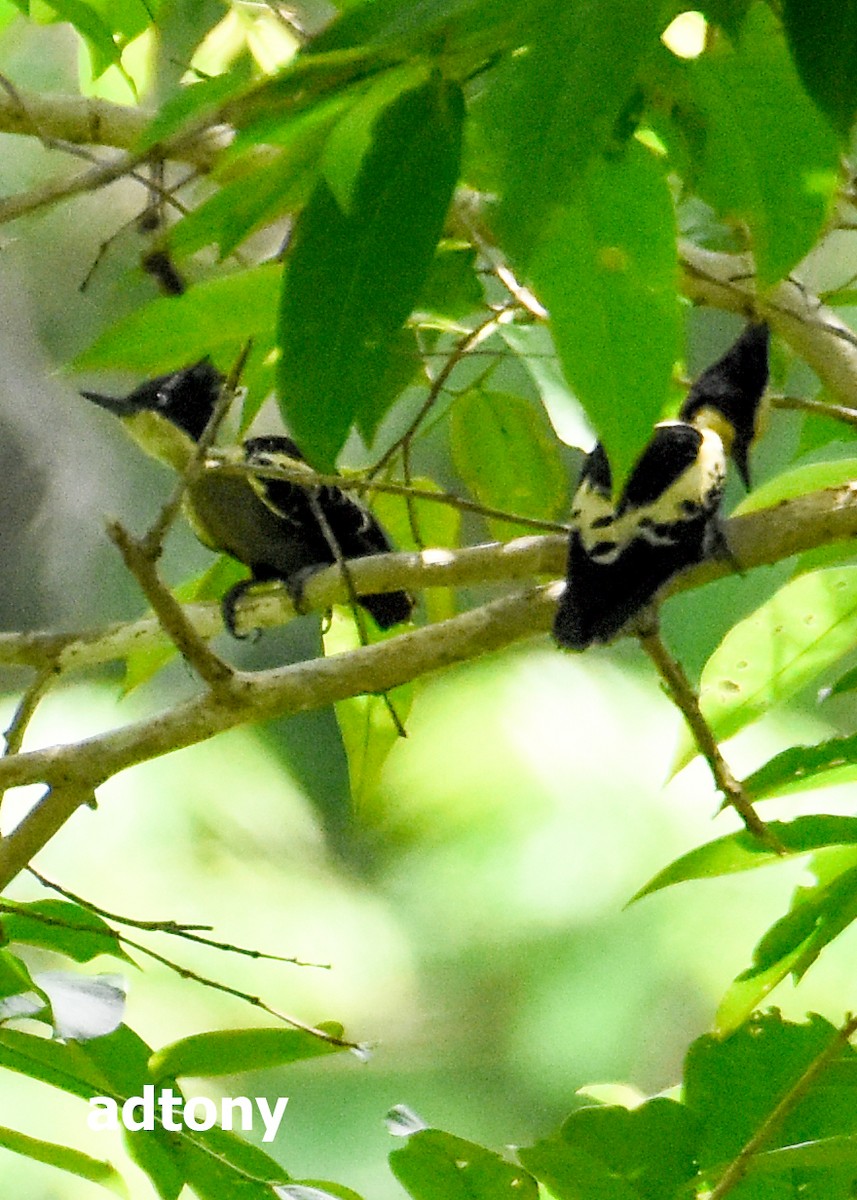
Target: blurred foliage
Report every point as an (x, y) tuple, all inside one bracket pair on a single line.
[(407, 185)]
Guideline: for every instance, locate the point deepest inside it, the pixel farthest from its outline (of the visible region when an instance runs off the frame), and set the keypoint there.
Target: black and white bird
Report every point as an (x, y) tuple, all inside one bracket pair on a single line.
[(667, 517), (276, 528)]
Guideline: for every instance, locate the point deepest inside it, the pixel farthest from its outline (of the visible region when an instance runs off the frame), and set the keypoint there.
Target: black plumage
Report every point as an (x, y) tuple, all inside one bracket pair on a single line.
[(667, 517), (274, 527)]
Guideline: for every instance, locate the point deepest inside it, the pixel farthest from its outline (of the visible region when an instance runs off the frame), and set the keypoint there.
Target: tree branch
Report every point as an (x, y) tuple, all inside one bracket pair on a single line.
[(72, 772), (812, 330)]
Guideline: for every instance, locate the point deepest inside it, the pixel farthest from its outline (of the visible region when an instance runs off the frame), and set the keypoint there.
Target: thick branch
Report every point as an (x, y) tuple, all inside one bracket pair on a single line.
[(813, 331), (756, 539), (73, 770)]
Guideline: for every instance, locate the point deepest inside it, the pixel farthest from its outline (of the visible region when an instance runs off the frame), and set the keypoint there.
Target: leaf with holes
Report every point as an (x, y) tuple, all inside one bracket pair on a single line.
[(768, 658)]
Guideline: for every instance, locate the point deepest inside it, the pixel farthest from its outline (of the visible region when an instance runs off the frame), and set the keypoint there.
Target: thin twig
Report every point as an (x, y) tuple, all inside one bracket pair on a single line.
[(472, 339), (837, 412), (154, 539), (191, 933), (24, 713), (353, 598), (305, 476), (739, 1166), (247, 997), (685, 699)]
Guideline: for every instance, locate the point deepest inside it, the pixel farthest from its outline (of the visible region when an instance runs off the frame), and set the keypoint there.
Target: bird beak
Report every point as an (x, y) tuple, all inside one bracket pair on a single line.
[(119, 407)]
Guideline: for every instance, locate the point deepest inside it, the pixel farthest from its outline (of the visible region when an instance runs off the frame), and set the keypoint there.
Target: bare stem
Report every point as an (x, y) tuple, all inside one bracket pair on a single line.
[(683, 696)]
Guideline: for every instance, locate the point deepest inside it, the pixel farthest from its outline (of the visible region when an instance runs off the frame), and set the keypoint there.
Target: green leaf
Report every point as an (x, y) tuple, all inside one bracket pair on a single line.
[(194, 100), (436, 525), (65, 928), (742, 851), (508, 458), (838, 1151), (352, 280), (14, 976), (555, 108), (212, 584), (365, 722), (732, 1086), (535, 351), (453, 289), (769, 657), (799, 482), (818, 914), (231, 1051), (259, 187), (403, 25), (612, 1153), (221, 1166), (609, 284), (66, 1067), (174, 331), (570, 1173), (823, 41), (769, 157), (72, 1161), (433, 1165), (159, 1158), (828, 764), (104, 51), (352, 139)]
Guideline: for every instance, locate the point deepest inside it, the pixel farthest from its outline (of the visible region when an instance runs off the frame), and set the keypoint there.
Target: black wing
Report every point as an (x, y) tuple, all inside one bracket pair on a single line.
[(353, 529), (619, 560)]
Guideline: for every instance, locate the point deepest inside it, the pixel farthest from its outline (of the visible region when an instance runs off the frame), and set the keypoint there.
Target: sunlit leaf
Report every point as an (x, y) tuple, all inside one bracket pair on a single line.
[(799, 482), (230, 1051), (369, 730), (828, 764), (742, 851), (506, 454), (14, 976), (259, 187), (414, 524), (141, 665), (65, 928), (433, 1165), (353, 279), (609, 284), (770, 158), (769, 657), (72, 1161), (535, 351), (819, 913), (83, 1006), (174, 331)]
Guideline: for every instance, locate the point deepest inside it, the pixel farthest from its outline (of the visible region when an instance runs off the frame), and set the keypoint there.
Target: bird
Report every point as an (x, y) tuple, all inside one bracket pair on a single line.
[(667, 517), (278, 529)]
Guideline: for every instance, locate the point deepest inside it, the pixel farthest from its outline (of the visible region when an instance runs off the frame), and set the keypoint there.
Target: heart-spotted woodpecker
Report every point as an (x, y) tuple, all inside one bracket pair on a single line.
[(274, 527), (667, 517)]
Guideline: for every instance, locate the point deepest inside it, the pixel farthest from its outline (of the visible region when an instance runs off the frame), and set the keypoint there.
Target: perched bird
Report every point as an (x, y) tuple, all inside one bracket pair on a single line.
[(667, 517), (276, 528)]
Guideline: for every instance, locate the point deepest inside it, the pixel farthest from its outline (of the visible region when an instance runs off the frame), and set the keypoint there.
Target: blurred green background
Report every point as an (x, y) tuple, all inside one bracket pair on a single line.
[(471, 919)]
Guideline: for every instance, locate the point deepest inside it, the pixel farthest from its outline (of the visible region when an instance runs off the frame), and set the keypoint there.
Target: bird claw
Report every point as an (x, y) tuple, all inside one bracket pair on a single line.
[(229, 608)]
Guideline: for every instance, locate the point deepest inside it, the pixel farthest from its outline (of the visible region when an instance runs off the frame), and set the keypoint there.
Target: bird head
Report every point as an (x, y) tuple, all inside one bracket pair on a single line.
[(727, 396), (166, 416)]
